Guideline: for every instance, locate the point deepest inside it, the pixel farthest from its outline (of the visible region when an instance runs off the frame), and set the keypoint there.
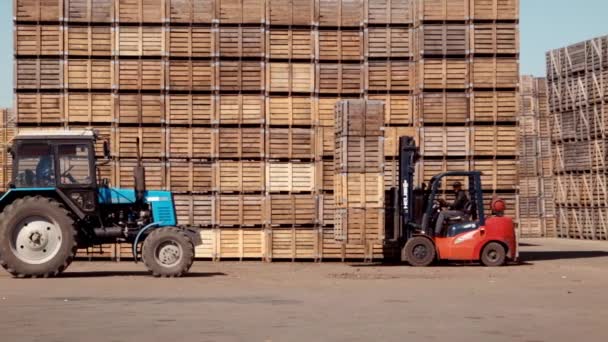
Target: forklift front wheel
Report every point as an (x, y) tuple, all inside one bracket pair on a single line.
[(419, 251), (493, 255)]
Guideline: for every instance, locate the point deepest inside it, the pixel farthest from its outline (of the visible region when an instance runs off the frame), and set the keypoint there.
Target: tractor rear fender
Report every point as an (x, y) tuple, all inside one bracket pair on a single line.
[(12, 194)]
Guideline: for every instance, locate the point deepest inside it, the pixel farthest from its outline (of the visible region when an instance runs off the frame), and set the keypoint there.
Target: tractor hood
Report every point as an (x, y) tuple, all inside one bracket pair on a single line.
[(161, 203)]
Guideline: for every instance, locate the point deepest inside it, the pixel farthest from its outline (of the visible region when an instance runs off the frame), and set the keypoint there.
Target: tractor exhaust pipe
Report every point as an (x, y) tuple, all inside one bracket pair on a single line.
[(139, 174)]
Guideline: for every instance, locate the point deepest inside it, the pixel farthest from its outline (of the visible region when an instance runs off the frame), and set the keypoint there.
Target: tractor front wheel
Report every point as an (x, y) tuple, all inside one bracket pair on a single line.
[(493, 255), (168, 252), (419, 251), (37, 237)]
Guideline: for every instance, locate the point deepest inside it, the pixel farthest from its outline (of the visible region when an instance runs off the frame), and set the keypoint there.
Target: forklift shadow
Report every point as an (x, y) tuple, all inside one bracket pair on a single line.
[(531, 256), (102, 274)]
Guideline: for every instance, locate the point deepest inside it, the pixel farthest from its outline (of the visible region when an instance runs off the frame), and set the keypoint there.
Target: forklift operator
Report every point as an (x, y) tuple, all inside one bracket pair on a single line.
[(456, 209)]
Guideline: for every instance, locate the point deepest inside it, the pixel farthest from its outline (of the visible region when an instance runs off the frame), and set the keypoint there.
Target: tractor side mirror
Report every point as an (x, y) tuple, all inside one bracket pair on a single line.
[(106, 150)]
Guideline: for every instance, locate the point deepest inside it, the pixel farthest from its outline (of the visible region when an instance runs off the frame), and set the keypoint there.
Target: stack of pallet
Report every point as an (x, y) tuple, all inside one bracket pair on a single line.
[(7, 131), (536, 213), (466, 62), (578, 102), (233, 101), (359, 172)]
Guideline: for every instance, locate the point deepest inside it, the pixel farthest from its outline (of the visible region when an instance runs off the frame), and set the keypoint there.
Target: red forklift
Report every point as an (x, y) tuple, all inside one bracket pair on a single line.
[(471, 237)]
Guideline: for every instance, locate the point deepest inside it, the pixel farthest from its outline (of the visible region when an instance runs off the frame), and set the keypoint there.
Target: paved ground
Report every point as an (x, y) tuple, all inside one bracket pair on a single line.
[(559, 294)]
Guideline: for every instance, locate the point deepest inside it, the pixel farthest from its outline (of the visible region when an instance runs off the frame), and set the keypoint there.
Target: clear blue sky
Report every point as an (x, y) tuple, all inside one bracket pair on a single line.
[(545, 24)]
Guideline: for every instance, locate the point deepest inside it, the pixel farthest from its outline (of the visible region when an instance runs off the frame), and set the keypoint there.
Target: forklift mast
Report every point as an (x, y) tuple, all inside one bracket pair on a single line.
[(408, 157)]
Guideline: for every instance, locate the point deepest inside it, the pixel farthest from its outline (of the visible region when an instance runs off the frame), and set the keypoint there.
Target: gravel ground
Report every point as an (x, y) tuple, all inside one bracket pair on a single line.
[(560, 293)]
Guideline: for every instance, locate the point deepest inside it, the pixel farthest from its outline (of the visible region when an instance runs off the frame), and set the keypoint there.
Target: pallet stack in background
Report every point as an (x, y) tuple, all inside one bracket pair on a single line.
[(577, 78), (7, 132), (536, 207), (233, 101)]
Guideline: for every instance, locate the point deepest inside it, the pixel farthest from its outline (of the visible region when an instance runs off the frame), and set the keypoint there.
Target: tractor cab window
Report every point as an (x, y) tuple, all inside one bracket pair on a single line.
[(74, 165), (35, 166)]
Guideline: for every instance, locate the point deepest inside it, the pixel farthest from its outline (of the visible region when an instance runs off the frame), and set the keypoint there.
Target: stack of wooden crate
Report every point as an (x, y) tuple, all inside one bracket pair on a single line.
[(233, 101), (359, 172), (536, 212), (578, 102), (466, 60), (7, 131)]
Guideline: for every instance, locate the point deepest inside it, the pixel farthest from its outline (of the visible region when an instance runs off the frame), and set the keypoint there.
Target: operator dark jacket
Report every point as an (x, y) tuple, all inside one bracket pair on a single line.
[(460, 202)]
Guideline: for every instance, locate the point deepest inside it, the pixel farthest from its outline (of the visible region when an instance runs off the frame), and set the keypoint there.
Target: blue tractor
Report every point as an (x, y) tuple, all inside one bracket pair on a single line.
[(56, 204)]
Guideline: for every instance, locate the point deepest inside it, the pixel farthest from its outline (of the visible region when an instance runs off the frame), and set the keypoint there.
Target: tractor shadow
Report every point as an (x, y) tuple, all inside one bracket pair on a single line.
[(103, 274), (531, 256)]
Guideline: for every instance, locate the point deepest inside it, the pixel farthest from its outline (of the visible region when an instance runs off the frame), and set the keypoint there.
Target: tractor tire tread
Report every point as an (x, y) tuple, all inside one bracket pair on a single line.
[(188, 253)]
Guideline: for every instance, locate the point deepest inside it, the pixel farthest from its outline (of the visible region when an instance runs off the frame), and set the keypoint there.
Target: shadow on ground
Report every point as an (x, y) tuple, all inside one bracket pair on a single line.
[(560, 255), (101, 274)]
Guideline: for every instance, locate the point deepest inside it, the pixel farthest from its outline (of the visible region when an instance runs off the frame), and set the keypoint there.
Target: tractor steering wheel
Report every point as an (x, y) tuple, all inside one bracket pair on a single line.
[(68, 175)]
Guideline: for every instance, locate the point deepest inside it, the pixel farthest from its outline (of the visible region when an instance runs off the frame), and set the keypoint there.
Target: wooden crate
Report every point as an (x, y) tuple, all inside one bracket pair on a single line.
[(325, 142), (443, 40), (530, 227), (359, 118), (359, 190), (529, 207), (340, 78), (290, 143), (335, 250), (359, 154), (241, 41), (497, 174), (94, 41), (140, 109), (239, 142), (443, 10), (389, 12), (497, 106), (290, 77), (155, 174), (239, 109), (151, 142), (326, 107), (239, 176), (340, 45), (494, 141), (443, 74), (189, 109), (93, 74), (36, 10), (495, 39), (290, 12), (494, 9), (142, 74), (398, 109), (340, 13), (445, 141), (444, 107), (326, 209), (240, 243), (186, 41), (242, 11), (494, 73), (191, 75), (38, 74), (239, 210), (140, 41), (291, 111), (141, 11), (98, 252), (205, 246), (291, 43), (38, 40), (87, 11), (240, 76), (509, 198), (430, 168), (293, 244), (359, 225), (391, 139), (388, 42), (389, 75), (292, 210), (196, 143), (290, 177), (194, 210), (39, 108), (188, 176), (192, 11), (89, 107), (324, 175), (104, 132)]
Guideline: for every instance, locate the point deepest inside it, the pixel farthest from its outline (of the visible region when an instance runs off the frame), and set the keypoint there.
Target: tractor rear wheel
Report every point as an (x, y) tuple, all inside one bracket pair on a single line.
[(37, 237), (168, 252), (419, 251), (493, 255)]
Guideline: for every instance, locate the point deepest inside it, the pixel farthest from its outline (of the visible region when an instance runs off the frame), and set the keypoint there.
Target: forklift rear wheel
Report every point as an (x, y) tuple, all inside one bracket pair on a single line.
[(419, 251), (37, 237), (493, 255), (168, 252)]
